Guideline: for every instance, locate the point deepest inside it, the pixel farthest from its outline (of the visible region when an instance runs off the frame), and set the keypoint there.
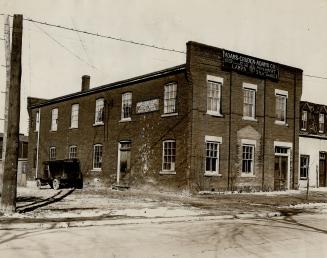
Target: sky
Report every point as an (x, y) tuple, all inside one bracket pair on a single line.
[(291, 32)]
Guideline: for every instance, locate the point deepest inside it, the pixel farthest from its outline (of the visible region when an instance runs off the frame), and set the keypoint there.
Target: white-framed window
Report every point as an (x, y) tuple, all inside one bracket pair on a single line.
[(304, 166), (213, 97), (281, 105), (72, 152), (74, 116), (126, 106), (249, 92), (304, 120), (54, 119), (99, 108), (52, 153), (170, 98), (321, 123), (248, 158), (97, 156), (212, 144), (37, 121), (168, 155)]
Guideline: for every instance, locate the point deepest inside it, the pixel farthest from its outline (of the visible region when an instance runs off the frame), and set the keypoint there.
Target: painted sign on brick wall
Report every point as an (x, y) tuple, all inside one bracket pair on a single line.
[(250, 65), (147, 106)]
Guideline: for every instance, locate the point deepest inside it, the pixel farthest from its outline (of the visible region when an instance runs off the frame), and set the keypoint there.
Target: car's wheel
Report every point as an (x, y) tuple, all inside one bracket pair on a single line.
[(56, 183), (38, 183)]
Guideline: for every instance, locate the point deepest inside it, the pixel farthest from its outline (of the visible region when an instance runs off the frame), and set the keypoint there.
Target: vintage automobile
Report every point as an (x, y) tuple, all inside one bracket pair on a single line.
[(61, 173)]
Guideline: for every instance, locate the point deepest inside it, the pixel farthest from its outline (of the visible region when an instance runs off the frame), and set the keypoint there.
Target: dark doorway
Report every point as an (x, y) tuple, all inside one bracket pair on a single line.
[(322, 169), (280, 175)]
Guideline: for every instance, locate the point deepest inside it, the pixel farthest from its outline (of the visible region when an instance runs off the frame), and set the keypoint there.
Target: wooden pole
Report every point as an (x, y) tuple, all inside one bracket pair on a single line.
[(9, 187), (5, 126)]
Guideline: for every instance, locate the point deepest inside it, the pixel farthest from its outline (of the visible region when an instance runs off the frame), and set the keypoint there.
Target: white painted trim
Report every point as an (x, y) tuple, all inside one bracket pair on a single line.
[(249, 118), (249, 141), (213, 113), (38, 145), (215, 79), (279, 122), (250, 86), (128, 119), (281, 92), (209, 138), (166, 172), (169, 114), (283, 144), (98, 124), (118, 163), (208, 173)]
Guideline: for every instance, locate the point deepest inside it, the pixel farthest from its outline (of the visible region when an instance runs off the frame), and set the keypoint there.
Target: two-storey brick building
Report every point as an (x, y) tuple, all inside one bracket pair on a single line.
[(313, 145), (221, 121)]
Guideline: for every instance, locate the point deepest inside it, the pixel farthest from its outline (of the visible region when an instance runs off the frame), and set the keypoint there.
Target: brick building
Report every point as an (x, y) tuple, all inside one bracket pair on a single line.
[(221, 121), (313, 145)]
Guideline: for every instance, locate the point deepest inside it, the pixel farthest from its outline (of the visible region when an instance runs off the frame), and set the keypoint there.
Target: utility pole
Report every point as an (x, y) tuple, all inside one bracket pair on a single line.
[(5, 126), (9, 186)]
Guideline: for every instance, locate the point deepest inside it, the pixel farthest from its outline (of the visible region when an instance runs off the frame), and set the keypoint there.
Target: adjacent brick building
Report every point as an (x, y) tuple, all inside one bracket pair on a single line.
[(221, 121), (313, 145)]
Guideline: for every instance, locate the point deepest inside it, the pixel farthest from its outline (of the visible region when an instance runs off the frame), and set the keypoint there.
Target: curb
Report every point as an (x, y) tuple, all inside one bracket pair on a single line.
[(133, 221)]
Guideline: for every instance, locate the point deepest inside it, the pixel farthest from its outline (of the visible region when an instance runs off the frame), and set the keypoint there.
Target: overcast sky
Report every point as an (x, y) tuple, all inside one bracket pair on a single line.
[(292, 32)]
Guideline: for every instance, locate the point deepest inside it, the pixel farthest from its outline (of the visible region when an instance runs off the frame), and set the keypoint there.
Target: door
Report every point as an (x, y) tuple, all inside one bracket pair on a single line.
[(124, 160), (280, 175), (322, 169)]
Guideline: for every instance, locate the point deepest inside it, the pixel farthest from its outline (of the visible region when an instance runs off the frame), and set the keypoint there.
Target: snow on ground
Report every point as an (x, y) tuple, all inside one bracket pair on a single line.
[(274, 193), (314, 207)]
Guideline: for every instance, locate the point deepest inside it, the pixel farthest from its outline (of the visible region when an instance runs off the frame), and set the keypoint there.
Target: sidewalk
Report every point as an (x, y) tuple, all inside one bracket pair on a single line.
[(47, 208)]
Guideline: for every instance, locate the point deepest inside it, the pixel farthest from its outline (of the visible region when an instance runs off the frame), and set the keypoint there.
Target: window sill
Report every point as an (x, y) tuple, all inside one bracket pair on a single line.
[(96, 170), (248, 118), (321, 132), (278, 122), (250, 175), (303, 178), (123, 120), (167, 172), (70, 128), (212, 174), (303, 129), (211, 113), (169, 114), (98, 124)]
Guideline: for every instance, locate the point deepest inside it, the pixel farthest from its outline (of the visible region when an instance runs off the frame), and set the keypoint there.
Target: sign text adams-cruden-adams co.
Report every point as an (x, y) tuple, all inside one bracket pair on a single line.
[(250, 65)]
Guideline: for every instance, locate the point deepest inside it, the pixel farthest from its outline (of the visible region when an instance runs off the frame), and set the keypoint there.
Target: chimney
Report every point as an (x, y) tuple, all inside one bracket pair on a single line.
[(85, 82)]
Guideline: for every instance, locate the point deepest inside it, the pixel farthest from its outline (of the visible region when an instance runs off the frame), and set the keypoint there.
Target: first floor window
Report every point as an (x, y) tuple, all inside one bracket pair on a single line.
[(52, 153), (97, 156), (99, 106), (169, 155), (170, 98), (249, 103), (212, 155), (304, 166), (321, 123), (281, 101), (72, 154), (304, 120), (126, 106), (247, 158)]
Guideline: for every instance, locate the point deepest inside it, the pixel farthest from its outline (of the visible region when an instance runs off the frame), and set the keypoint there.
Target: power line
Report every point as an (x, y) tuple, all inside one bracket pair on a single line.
[(314, 76), (63, 46)]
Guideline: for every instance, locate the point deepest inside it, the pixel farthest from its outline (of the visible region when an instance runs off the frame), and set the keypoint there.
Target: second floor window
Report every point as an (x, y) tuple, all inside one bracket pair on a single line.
[(99, 107), (170, 98), (304, 166), (248, 103), (281, 101), (126, 106), (52, 153), (74, 116), (304, 120), (213, 97), (321, 123), (54, 119)]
